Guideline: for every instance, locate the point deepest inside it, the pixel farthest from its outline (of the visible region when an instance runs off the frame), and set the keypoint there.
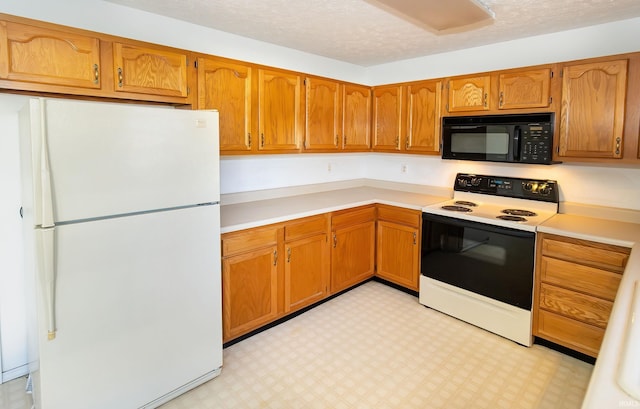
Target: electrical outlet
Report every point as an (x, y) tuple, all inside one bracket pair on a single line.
[(403, 168), (329, 167)]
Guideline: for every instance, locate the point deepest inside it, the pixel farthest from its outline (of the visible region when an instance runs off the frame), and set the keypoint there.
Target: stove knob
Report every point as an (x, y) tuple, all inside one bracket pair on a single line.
[(527, 186), (544, 189), (475, 181)]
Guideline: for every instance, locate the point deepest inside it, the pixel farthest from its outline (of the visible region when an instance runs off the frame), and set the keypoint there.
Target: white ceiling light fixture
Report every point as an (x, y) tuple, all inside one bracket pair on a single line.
[(440, 16)]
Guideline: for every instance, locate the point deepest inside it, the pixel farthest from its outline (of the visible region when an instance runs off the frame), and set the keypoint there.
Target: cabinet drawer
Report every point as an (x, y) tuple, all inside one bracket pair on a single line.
[(353, 216), (305, 227), (399, 215), (582, 337), (581, 307), (594, 281), (245, 240), (596, 254)]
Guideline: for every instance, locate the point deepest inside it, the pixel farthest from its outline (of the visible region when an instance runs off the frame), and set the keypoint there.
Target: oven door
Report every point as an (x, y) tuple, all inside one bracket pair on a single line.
[(492, 261)]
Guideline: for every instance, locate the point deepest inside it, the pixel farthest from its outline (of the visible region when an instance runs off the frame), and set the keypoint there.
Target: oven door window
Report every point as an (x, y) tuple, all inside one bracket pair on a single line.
[(489, 260)]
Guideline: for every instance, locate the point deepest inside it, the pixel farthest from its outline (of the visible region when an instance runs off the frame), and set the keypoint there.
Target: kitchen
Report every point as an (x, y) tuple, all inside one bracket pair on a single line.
[(616, 186)]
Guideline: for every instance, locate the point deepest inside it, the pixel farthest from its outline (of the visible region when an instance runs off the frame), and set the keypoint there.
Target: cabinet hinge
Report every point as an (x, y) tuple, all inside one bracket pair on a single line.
[(304, 82), (447, 106), (195, 63), (551, 74), (188, 90), (550, 100)]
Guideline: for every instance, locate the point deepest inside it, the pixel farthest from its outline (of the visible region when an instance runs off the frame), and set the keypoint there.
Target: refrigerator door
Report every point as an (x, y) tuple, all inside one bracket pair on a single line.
[(101, 159), (138, 310)]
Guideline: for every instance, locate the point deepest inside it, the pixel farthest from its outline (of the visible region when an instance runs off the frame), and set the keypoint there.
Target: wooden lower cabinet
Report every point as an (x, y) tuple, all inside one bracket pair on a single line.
[(268, 272), (306, 268), (271, 271), (249, 281), (398, 245), (353, 247), (576, 283)]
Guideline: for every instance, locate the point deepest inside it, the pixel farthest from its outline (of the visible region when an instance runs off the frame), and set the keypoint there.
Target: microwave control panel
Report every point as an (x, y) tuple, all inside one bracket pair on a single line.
[(536, 143)]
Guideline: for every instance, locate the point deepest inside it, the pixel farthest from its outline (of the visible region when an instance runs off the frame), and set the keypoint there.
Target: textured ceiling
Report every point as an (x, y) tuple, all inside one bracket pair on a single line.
[(358, 32)]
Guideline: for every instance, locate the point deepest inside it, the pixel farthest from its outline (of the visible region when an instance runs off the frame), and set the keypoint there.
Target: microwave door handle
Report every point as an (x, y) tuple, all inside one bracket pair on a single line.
[(516, 143)]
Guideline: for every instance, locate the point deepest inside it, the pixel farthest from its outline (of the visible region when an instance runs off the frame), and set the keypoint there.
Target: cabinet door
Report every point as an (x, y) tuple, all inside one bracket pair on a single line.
[(249, 291), (469, 94), (387, 120), (306, 271), (593, 106), (145, 70), (227, 87), (45, 56), (280, 110), (398, 253), (356, 117), (423, 117), (322, 130), (525, 89), (352, 255)]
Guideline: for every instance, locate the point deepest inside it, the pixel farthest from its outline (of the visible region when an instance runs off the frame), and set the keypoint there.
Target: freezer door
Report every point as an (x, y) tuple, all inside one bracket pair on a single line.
[(138, 308), (100, 159)]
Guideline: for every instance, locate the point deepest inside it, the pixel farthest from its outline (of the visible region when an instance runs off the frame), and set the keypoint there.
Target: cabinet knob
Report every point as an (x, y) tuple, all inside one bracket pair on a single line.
[(96, 74), (618, 140), (335, 240), (289, 255), (415, 238), (275, 257)]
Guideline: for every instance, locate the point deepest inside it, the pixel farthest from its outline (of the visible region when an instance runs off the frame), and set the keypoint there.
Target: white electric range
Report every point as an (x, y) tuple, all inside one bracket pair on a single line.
[(478, 251)]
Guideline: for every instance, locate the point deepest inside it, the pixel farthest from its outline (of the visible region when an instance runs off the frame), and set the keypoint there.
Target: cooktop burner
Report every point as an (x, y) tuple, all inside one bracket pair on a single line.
[(465, 203), (456, 208), (519, 212), (512, 218)]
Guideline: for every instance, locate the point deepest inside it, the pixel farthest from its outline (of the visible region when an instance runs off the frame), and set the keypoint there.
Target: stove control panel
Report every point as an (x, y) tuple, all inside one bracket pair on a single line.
[(533, 189)]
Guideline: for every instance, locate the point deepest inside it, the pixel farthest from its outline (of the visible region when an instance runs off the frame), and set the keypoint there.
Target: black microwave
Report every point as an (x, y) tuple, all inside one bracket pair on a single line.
[(522, 138)]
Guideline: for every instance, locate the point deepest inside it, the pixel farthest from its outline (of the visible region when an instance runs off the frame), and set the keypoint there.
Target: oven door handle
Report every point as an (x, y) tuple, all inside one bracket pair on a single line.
[(476, 225)]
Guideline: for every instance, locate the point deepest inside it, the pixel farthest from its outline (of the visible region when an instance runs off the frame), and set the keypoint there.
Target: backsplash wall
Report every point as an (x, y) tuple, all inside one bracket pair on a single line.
[(608, 186)]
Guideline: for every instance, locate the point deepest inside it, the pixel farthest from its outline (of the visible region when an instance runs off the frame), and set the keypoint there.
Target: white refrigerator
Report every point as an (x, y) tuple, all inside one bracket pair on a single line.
[(122, 223)]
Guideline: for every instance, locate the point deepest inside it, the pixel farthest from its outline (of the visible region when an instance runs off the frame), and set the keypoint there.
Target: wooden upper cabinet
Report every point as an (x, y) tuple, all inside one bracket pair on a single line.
[(45, 56), (146, 70), (227, 87), (593, 109), (525, 89), (280, 110), (356, 117), (387, 117), (469, 94), (423, 117), (323, 116)]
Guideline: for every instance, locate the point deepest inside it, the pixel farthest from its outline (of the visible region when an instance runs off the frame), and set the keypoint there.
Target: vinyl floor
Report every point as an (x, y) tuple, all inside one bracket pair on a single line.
[(377, 347)]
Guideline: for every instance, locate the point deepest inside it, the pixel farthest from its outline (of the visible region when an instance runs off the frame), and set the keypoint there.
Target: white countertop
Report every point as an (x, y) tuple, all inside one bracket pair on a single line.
[(256, 213), (603, 391)]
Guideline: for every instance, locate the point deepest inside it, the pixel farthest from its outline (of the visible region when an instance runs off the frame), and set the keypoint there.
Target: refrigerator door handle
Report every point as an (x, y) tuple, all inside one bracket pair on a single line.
[(47, 277), (44, 188)]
